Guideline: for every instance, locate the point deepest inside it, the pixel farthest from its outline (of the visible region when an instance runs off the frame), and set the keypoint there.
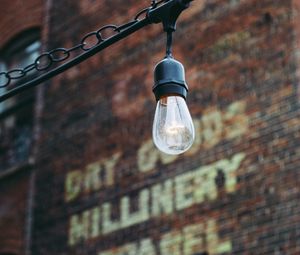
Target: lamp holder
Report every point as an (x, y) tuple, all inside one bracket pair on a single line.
[(169, 74), (168, 16), (169, 79)]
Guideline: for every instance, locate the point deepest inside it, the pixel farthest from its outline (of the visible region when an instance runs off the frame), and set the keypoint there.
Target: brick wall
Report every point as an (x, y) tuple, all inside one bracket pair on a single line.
[(18, 16), (102, 188), (13, 197), (108, 189)]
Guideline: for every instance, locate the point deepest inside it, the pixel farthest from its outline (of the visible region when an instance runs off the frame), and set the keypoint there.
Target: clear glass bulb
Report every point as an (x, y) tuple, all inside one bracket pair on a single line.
[(173, 130)]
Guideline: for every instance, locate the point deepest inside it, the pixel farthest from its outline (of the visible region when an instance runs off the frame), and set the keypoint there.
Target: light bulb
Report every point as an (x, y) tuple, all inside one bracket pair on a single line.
[(173, 130)]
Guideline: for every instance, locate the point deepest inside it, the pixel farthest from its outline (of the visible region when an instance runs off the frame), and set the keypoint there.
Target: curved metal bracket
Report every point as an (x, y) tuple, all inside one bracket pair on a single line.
[(165, 11), (169, 14)]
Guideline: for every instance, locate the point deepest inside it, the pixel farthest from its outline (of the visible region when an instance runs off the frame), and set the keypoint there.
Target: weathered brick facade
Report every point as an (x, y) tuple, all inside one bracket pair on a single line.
[(100, 185), (18, 16)]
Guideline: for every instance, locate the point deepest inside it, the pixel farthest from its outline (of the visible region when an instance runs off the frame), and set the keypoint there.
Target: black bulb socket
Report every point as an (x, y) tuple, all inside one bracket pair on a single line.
[(169, 79)]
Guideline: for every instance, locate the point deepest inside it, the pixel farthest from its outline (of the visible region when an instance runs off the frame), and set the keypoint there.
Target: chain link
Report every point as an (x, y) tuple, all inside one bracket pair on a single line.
[(88, 42)]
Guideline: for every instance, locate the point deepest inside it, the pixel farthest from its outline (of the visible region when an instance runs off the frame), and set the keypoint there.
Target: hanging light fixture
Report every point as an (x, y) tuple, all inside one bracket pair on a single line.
[(173, 130)]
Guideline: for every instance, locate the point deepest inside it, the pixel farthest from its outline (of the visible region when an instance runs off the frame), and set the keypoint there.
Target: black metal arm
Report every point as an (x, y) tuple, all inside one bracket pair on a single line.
[(164, 11)]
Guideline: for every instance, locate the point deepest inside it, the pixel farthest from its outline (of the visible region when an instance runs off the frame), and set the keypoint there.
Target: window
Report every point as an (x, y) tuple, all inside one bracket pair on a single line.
[(16, 114)]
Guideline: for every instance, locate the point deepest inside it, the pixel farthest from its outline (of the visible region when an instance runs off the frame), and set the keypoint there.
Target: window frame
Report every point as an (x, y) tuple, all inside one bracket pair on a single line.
[(14, 107)]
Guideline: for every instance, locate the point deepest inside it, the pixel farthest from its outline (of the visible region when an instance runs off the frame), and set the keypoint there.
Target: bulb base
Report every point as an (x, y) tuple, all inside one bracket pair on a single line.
[(169, 78)]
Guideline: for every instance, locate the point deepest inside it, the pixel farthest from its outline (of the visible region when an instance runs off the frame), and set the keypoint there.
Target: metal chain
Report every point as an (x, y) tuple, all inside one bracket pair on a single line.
[(47, 59)]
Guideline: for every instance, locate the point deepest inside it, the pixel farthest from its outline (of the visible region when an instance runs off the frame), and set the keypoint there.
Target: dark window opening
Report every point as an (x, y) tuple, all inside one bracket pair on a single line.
[(17, 114)]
